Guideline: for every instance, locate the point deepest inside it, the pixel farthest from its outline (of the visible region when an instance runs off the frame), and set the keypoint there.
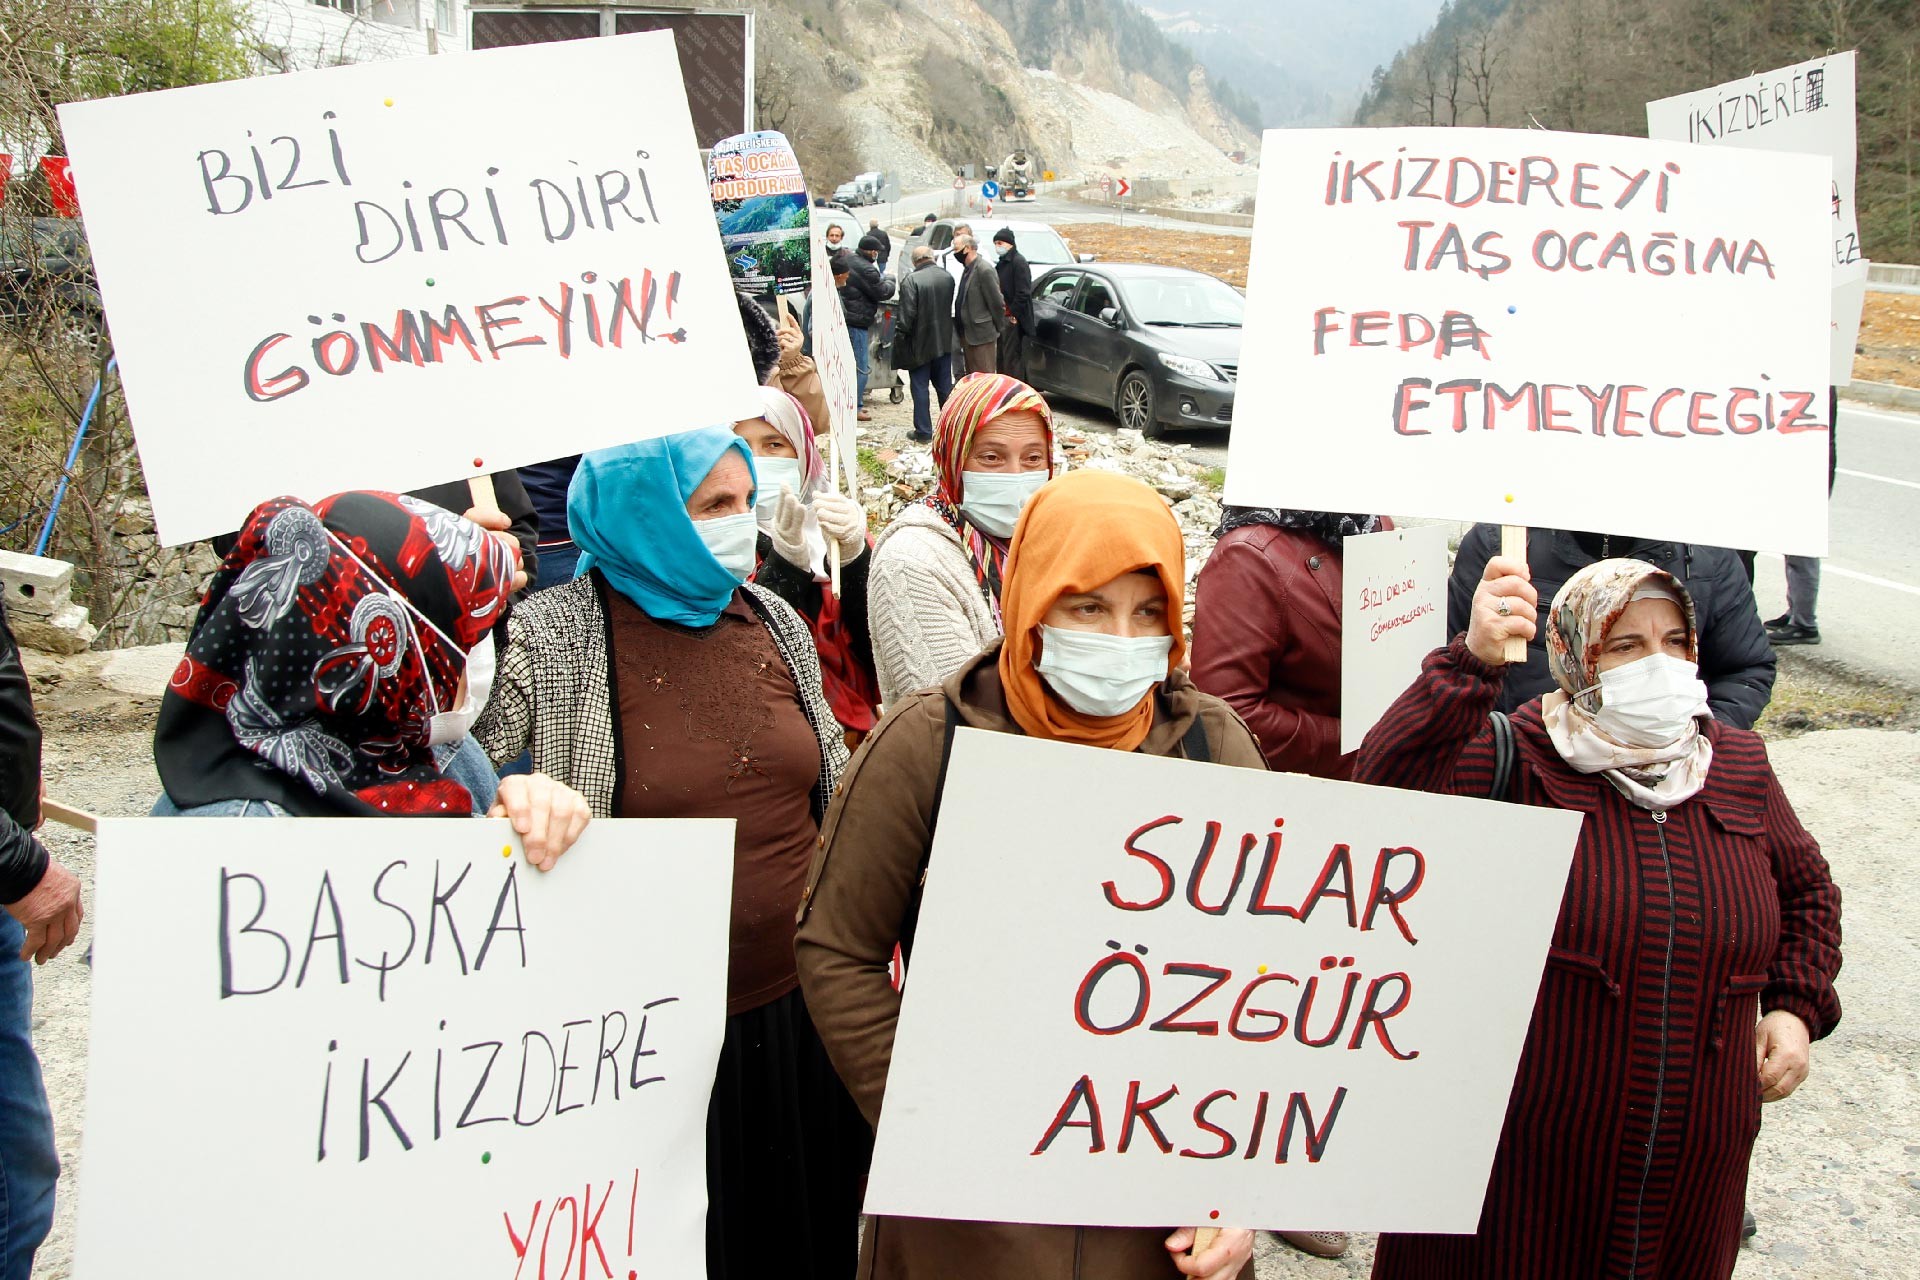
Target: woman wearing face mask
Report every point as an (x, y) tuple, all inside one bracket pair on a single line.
[(326, 674), (801, 521), (1694, 958), (934, 596), (1093, 655), (663, 685)]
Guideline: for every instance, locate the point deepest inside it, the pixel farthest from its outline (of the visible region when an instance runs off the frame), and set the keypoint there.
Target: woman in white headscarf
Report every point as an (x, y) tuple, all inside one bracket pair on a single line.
[(1694, 957), (802, 520)]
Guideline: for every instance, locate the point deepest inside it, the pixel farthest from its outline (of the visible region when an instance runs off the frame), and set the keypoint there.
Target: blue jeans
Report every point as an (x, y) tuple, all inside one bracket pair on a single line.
[(556, 565), (939, 371), (28, 1165), (860, 362)]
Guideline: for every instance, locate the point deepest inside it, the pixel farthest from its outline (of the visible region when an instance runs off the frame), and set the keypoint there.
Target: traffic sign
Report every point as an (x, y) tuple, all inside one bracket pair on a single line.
[(1122, 189), (1106, 182), (1047, 176), (959, 184), (988, 211), (991, 190)]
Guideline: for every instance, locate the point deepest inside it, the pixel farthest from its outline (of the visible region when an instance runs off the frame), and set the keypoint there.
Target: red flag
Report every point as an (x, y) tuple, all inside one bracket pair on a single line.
[(60, 186), (6, 171)]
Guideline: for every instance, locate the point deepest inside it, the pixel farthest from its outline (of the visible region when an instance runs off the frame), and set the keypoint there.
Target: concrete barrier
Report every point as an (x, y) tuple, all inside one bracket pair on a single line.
[(1893, 273), (1886, 394), (1201, 215), (40, 608)]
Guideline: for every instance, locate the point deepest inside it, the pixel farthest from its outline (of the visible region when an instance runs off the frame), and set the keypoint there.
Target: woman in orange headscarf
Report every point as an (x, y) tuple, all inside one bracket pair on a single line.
[(1093, 654)]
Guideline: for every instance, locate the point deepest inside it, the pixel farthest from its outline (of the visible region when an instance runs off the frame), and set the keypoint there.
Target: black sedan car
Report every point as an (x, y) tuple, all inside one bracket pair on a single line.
[(46, 281), (1160, 346)]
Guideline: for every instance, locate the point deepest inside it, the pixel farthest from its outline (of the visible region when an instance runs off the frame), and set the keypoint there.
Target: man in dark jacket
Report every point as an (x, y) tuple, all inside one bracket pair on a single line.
[(875, 230), (860, 298), (1016, 288), (921, 335), (979, 313), (42, 916), (1736, 662)]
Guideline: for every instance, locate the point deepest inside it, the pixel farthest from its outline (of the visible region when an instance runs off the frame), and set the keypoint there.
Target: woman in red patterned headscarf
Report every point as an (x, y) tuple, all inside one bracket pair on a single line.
[(934, 589), (329, 658)]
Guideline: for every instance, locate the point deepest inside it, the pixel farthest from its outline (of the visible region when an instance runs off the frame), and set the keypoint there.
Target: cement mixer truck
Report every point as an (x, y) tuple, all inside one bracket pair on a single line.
[(1019, 173)]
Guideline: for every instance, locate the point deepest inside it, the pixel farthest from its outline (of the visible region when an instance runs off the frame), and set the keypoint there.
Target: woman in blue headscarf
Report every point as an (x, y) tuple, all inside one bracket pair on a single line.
[(661, 684)]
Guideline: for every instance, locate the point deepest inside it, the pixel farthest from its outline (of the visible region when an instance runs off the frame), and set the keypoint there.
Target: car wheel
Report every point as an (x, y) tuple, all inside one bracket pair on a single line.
[(1134, 405)]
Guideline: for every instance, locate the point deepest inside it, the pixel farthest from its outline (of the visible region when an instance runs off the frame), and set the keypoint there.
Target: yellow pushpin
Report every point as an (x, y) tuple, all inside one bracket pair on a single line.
[(1509, 497), (1262, 969), (506, 851), (389, 101)]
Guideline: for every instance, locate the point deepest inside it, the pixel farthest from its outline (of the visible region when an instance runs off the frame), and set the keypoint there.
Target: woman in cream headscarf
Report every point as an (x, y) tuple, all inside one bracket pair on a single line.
[(935, 590), (802, 521), (1093, 655), (1697, 944)]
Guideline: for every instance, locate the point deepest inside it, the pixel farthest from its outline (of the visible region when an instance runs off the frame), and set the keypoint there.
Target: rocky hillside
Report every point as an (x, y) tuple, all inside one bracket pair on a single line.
[(921, 87)]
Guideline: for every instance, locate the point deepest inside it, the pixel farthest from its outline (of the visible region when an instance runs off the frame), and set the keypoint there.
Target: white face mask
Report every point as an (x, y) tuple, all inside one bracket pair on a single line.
[(769, 475), (1102, 675), (991, 500), (1650, 702), (451, 726), (731, 539)]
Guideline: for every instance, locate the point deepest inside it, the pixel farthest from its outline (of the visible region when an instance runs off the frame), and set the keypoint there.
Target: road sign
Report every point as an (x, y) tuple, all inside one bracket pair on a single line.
[(959, 184), (988, 211), (991, 190), (1047, 176), (1122, 189), (1106, 182)]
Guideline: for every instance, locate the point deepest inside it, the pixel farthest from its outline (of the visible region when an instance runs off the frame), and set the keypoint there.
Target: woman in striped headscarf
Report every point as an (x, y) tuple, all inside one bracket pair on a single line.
[(934, 588)]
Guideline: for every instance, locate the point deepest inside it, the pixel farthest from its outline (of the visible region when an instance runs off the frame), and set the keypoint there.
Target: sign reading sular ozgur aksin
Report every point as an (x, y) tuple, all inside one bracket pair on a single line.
[(377, 300), (1485, 314)]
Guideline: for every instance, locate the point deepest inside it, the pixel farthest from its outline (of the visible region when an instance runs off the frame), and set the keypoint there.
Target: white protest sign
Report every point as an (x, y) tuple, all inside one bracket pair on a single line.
[(1173, 993), (323, 281), (1533, 328), (1808, 107), (833, 357), (391, 1047), (1393, 613)]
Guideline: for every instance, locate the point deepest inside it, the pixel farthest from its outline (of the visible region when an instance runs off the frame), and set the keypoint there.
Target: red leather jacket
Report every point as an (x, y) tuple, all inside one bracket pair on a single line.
[(1266, 640)]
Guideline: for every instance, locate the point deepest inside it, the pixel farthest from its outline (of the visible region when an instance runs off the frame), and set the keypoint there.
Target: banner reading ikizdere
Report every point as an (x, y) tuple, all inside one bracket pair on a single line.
[(336, 279), (390, 1047), (1564, 330)]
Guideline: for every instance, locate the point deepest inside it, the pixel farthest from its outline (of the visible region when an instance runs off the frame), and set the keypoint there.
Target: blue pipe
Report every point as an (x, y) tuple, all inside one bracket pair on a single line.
[(66, 474)]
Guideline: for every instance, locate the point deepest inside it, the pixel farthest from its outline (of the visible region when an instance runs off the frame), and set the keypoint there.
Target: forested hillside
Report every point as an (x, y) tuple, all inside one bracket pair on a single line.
[(1593, 65)]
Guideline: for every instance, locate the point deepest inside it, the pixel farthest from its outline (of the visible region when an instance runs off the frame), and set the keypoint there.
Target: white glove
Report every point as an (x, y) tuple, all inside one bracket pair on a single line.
[(844, 521), (788, 529)]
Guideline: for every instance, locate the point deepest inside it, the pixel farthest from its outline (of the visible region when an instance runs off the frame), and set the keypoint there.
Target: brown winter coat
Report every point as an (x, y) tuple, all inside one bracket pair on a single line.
[(1266, 639), (859, 893)]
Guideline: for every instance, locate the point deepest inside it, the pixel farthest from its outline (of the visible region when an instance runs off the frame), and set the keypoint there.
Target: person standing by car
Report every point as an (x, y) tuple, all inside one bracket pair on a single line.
[(979, 312), (920, 336), (1016, 289), (860, 296), (877, 232)]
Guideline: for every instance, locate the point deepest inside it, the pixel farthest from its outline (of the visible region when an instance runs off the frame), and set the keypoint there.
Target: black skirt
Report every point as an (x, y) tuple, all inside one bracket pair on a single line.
[(787, 1153)]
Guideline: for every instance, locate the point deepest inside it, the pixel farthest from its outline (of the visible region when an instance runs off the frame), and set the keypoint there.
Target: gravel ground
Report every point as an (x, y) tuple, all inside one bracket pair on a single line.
[(1836, 1176)]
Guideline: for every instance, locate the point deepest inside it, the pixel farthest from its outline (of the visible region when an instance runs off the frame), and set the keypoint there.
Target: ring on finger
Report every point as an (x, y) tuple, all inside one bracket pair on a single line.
[(1504, 608)]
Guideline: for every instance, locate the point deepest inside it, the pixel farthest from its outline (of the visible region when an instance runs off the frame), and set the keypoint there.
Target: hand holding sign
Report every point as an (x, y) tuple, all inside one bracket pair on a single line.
[(1505, 607)]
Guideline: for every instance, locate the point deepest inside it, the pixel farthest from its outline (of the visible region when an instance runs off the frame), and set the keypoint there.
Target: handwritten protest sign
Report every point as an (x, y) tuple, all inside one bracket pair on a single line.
[(833, 357), (1536, 328), (315, 282), (1393, 613), (1807, 107), (382, 1047), (760, 201), (1115, 1019)]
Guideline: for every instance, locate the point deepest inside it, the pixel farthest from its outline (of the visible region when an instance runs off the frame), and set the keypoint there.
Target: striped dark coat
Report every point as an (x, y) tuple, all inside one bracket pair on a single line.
[(1624, 1152)]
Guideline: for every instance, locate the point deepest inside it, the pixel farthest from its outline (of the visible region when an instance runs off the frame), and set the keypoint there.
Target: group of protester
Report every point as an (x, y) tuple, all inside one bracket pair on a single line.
[(374, 654)]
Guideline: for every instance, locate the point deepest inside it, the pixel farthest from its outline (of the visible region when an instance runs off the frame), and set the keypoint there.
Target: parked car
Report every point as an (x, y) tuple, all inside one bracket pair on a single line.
[(46, 280), (1041, 245), (823, 217), (1160, 346)]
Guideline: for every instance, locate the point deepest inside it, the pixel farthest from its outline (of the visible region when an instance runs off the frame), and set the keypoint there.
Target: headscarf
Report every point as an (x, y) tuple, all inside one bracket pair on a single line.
[(1331, 527), (1077, 534), (327, 640), (1583, 613), (628, 510), (790, 418), (978, 399)]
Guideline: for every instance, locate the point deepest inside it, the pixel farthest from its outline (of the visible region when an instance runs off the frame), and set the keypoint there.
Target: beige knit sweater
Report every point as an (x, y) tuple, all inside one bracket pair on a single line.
[(926, 608)]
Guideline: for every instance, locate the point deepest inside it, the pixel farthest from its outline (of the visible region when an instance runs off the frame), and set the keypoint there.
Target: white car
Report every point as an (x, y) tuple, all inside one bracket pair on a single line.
[(1040, 244)]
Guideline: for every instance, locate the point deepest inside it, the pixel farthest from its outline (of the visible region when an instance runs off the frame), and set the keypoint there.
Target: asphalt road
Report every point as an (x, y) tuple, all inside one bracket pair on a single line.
[(1870, 583), (1047, 208)]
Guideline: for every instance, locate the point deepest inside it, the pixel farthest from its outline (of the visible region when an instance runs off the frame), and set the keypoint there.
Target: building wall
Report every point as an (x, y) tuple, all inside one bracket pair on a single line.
[(299, 35)]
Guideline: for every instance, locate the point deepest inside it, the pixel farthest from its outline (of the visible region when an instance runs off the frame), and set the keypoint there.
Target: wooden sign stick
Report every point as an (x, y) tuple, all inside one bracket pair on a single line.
[(1513, 546), (1203, 1238), (481, 489), (833, 479), (79, 819)]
